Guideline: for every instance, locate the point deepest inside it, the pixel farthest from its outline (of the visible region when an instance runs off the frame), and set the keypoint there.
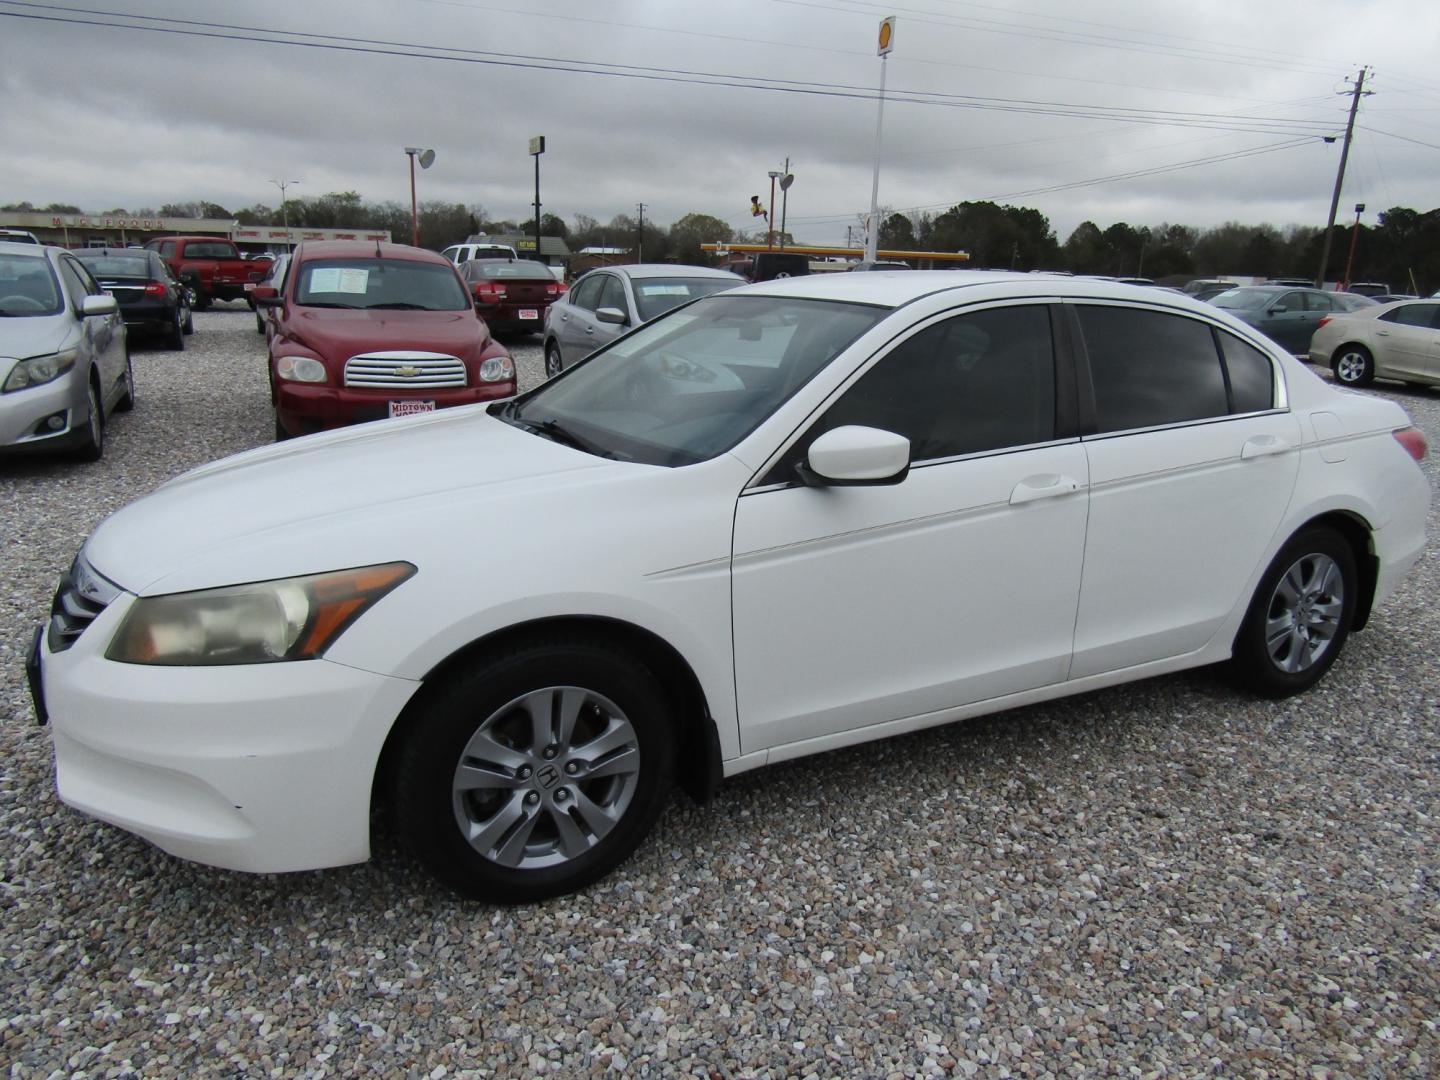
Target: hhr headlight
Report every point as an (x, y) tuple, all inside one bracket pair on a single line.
[(290, 619)]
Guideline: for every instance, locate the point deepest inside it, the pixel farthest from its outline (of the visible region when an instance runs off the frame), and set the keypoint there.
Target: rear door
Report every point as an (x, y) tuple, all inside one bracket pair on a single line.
[(1192, 458), (1409, 341)]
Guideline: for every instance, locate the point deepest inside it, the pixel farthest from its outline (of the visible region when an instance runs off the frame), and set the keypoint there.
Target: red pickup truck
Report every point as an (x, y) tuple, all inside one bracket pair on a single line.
[(211, 265)]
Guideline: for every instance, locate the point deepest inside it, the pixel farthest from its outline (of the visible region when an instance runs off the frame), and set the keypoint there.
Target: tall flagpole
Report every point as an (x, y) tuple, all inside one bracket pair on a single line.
[(872, 226)]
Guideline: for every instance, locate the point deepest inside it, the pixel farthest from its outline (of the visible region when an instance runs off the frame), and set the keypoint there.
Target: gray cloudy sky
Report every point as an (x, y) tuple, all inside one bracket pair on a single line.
[(102, 116)]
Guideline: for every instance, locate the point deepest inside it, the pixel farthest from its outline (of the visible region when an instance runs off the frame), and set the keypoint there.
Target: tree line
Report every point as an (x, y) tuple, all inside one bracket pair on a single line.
[(1403, 249)]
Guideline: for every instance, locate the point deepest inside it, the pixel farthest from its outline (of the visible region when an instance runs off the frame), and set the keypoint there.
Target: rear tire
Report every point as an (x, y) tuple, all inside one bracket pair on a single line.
[(536, 773), (175, 336), (1353, 365), (1300, 615)]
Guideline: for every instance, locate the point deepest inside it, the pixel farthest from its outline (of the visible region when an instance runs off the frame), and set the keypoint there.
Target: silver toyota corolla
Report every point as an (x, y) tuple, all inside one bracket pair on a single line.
[(64, 358)]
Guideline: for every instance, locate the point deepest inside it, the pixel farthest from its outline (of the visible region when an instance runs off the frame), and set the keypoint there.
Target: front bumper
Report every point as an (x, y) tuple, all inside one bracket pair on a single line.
[(262, 768), (304, 408), (23, 415)]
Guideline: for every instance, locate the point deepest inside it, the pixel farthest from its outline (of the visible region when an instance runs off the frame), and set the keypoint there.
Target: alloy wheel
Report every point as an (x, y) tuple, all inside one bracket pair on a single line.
[(545, 778), (1304, 613)]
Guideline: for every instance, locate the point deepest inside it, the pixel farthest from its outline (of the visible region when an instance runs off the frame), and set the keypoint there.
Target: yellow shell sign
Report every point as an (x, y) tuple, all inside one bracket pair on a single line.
[(887, 36)]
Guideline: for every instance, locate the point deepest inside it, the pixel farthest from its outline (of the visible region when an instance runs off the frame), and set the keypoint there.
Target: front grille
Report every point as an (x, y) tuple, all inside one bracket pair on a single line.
[(407, 370), (81, 596)]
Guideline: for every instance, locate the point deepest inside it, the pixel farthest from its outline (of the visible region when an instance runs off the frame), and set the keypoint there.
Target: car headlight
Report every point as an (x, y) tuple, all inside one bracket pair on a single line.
[(290, 619), (39, 370), (300, 369), (497, 369)]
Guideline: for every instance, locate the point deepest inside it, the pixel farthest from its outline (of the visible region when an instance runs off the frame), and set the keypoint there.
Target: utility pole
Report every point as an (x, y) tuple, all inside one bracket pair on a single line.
[(1340, 178), (640, 235)]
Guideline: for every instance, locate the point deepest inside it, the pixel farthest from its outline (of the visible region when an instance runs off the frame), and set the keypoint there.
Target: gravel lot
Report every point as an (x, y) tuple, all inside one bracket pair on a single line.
[(1166, 879)]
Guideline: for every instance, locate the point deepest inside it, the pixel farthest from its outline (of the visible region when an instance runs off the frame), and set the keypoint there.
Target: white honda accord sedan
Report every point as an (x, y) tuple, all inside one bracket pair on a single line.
[(778, 520)]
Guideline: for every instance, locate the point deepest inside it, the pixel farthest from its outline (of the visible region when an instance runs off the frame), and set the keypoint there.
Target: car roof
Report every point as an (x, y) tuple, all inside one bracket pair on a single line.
[(16, 247), (365, 249), (664, 270), (892, 288)]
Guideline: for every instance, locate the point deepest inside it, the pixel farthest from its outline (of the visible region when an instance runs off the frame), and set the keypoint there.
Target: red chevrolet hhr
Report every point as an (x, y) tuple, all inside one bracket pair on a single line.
[(369, 330)]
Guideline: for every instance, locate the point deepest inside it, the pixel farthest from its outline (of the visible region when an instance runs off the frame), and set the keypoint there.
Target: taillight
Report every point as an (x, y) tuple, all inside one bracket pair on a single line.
[(1323, 321), (489, 290), (1413, 441), (553, 289), (154, 289)]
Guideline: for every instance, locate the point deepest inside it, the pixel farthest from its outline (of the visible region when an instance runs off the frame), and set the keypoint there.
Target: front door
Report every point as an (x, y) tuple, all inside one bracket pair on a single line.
[(854, 606), (1410, 342)]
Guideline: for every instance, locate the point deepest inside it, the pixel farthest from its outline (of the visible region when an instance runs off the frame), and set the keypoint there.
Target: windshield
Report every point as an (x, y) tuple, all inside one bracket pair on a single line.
[(655, 296), (27, 287), (1243, 299), (117, 265), (693, 384), (380, 283)]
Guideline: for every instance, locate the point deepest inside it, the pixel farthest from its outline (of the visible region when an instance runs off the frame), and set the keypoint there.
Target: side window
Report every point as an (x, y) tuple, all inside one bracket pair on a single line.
[(1414, 315), (587, 292), (76, 283), (167, 249), (1149, 368), (613, 294), (980, 381), (1290, 301), (1321, 302), (1252, 375)]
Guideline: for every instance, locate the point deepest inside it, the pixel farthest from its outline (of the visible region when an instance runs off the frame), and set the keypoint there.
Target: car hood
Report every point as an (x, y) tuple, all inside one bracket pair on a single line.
[(298, 507), (343, 334), (25, 336)]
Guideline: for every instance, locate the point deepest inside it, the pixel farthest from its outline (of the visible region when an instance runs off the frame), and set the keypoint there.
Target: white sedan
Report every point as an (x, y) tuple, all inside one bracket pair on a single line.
[(779, 520), (1390, 341)]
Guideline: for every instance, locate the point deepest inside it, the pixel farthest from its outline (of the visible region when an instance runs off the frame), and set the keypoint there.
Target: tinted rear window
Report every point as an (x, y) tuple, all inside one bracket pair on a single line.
[(1149, 368), (520, 268), (116, 265)]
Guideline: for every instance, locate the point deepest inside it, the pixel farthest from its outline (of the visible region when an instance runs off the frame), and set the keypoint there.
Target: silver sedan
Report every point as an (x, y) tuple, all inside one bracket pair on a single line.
[(612, 300)]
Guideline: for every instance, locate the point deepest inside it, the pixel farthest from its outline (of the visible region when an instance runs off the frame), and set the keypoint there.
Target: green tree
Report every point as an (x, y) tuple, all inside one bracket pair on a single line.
[(692, 230), (897, 232)]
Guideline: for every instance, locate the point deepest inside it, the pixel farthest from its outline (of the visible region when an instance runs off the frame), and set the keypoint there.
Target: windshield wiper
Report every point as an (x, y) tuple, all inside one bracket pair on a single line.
[(399, 306), (552, 429), (326, 303)]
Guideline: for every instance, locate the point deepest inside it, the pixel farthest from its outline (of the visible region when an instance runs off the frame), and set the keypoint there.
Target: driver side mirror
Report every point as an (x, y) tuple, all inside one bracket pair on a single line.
[(612, 315), (855, 456), (265, 296), (1278, 309)]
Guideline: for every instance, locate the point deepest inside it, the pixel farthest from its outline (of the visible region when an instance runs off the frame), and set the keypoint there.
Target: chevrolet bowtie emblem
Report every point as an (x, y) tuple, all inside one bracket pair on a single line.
[(408, 371)]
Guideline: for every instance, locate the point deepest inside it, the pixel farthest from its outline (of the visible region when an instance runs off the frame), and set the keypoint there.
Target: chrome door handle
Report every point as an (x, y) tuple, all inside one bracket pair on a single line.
[(1043, 486), (590, 329), (1382, 333), (1263, 446)]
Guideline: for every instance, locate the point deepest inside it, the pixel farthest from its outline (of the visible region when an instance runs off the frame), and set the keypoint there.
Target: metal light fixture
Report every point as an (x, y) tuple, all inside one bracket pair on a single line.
[(285, 209)]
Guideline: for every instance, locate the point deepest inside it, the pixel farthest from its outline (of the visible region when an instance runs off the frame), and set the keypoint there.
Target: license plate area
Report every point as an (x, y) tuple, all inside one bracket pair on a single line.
[(411, 408), (529, 313)]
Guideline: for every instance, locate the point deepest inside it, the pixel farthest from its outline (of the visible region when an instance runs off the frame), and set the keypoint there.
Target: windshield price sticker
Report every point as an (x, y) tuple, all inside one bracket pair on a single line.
[(335, 279)]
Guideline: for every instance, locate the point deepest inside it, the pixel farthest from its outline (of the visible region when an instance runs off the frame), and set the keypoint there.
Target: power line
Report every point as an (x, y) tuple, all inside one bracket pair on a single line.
[(374, 46)]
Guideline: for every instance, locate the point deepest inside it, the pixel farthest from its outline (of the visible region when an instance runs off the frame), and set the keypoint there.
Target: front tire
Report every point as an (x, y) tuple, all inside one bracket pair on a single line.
[(92, 448), (534, 774), (1300, 616), (127, 382), (1353, 365)]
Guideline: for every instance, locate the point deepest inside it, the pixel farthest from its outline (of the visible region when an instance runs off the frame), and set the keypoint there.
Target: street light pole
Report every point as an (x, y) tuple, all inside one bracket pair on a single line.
[(537, 147), (1340, 178), (770, 217), (285, 209), (872, 226), (427, 158), (1354, 235)]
